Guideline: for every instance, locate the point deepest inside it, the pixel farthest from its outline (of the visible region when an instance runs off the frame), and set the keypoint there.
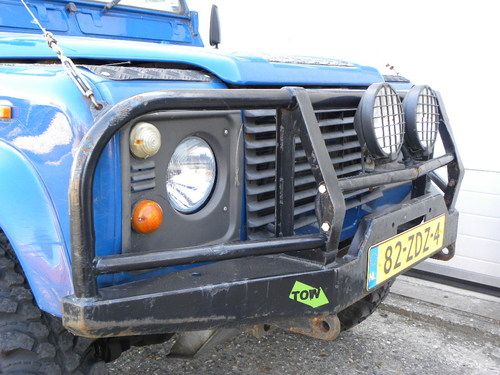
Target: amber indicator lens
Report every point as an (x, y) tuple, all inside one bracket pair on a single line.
[(5, 112), (147, 216)]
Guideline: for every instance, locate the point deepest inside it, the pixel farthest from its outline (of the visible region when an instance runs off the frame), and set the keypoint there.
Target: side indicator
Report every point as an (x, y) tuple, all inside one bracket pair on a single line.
[(5, 112), (147, 216)]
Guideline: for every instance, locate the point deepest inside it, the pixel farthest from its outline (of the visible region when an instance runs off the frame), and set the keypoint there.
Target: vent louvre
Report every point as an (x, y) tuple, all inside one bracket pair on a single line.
[(142, 176), (337, 127)]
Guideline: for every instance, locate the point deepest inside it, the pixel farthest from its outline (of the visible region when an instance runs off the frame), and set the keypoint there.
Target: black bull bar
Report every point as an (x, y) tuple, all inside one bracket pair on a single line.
[(236, 291)]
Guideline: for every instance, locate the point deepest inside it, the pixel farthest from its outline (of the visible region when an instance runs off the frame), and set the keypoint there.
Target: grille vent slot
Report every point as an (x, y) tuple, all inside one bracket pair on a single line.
[(337, 127), (142, 176)]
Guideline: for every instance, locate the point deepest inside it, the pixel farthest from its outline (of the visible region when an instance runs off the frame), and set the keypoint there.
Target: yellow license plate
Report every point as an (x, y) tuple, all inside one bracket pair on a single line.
[(392, 256)]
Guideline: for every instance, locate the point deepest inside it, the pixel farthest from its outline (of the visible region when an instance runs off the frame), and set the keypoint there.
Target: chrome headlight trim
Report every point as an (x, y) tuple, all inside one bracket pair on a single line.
[(191, 175)]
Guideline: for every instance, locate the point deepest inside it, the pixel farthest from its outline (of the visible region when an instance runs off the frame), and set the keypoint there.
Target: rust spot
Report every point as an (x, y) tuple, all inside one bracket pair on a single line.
[(323, 327), (446, 254)]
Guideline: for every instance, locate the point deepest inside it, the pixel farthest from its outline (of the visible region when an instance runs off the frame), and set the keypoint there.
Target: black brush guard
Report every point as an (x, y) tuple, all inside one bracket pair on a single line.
[(253, 279)]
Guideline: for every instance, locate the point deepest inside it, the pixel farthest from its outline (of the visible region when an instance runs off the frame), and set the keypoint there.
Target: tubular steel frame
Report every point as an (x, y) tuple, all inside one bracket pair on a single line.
[(295, 108)]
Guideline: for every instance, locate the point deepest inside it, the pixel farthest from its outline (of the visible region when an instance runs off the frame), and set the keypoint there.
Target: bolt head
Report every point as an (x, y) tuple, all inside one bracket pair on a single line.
[(325, 227), (226, 132), (224, 209), (322, 189)]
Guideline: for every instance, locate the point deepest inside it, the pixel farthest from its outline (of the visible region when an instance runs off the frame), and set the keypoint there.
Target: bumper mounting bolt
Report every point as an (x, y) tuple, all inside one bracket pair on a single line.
[(322, 189), (325, 227)]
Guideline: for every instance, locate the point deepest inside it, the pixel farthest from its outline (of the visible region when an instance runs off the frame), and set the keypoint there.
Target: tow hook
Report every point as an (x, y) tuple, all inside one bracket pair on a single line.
[(446, 254)]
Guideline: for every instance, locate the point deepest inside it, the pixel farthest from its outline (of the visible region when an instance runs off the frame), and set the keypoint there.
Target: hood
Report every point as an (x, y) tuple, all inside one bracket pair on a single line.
[(232, 68)]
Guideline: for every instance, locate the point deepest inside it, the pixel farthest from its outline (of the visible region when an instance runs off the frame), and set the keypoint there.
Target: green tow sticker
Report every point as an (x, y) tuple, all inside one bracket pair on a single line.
[(308, 295)]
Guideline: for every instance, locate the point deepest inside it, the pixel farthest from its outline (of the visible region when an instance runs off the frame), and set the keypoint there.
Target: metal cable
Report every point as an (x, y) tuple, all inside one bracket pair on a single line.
[(68, 65)]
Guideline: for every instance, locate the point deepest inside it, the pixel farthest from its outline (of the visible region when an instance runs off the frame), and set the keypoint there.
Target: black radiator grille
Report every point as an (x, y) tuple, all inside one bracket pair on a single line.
[(337, 127)]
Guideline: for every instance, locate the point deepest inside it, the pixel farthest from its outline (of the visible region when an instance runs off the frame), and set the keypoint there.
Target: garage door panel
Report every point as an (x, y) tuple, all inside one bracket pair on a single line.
[(479, 248), (461, 271), (483, 204), (477, 255), (481, 181), (480, 226), (471, 265)]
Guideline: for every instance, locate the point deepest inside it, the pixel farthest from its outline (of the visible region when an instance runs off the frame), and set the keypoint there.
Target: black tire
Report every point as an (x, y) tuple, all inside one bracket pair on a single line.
[(359, 311), (32, 342)]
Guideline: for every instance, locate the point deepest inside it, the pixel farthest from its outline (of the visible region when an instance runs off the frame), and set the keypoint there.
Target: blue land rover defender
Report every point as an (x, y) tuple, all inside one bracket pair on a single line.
[(152, 189)]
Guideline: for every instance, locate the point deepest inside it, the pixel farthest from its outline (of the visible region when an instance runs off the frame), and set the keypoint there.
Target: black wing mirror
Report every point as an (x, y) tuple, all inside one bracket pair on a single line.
[(214, 27)]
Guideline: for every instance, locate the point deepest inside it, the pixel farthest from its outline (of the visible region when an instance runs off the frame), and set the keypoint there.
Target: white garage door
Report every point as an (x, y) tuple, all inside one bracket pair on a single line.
[(477, 255)]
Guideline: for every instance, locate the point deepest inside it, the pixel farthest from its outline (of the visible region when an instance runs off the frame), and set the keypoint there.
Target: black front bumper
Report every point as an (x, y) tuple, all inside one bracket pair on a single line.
[(243, 291), (253, 280)]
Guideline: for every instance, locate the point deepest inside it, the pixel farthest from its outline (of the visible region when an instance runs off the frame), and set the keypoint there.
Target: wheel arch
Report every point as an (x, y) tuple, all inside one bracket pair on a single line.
[(29, 221)]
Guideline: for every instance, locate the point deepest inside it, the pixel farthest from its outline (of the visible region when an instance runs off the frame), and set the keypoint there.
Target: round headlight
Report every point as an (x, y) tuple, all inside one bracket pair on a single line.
[(191, 175), (380, 119), (422, 117), (145, 140)]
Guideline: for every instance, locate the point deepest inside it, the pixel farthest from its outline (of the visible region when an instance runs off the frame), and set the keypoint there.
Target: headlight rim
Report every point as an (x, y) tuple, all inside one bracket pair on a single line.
[(410, 106), (202, 203), (365, 122)]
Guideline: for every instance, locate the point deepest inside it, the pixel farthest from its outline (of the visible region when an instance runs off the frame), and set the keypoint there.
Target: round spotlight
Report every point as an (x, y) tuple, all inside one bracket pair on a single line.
[(380, 121), (145, 140), (147, 216), (191, 175), (422, 117)]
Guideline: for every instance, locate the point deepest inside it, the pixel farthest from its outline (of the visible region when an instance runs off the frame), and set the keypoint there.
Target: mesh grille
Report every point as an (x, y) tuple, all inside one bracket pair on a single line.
[(337, 127), (427, 118), (388, 120)]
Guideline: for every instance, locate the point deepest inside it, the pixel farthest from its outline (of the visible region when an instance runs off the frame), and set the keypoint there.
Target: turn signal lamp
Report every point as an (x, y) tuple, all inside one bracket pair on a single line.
[(147, 216), (145, 140), (5, 112)]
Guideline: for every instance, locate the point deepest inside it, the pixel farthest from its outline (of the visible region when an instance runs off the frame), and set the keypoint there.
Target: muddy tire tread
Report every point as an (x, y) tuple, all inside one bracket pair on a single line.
[(31, 341), (359, 311)]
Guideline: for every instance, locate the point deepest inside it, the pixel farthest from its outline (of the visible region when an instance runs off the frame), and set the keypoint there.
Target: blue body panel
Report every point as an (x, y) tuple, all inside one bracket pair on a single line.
[(90, 20), (153, 36), (50, 118), (233, 69), (29, 220)]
